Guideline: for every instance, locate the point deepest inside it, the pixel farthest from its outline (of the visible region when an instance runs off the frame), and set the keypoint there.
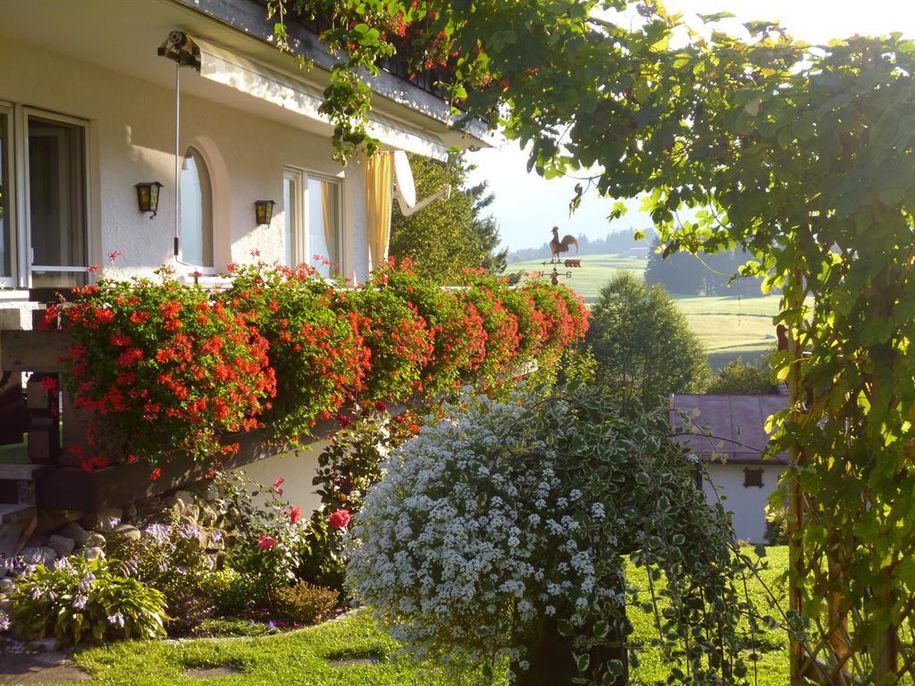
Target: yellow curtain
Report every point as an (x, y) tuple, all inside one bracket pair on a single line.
[(329, 212), (379, 183)]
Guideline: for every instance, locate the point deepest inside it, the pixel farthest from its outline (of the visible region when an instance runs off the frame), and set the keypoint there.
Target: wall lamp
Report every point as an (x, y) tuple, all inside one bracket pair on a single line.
[(148, 197), (263, 210)]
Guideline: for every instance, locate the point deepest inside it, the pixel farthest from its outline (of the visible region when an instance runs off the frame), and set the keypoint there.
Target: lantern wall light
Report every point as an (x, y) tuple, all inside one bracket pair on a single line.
[(263, 210), (148, 197)]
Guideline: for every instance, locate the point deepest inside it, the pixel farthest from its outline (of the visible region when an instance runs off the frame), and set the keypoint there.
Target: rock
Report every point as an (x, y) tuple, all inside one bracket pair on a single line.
[(47, 645), (76, 532), (95, 540), (131, 533), (62, 545), (50, 520), (185, 499), (7, 585), (38, 555), (210, 493), (93, 553), (192, 512), (103, 520), (207, 515), (5, 603)]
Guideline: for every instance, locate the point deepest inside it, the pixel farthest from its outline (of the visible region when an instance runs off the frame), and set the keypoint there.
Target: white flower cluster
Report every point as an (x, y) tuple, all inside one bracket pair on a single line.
[(471, 536)]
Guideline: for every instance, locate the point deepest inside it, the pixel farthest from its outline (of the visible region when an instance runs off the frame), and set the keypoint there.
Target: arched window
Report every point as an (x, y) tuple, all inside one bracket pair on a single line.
[(196, 230)]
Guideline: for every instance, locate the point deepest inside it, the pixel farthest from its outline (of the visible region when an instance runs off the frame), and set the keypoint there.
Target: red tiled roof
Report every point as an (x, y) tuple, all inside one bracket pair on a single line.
[(727, 427)]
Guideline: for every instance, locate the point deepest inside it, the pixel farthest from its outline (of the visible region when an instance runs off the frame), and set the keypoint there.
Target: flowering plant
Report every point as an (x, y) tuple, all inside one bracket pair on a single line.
[(398, 336), (456, 328), (161, 361), (77, 598), (501, 530), (170, 369), (173, 557), (316, 350), (264, 538), (500, 323)]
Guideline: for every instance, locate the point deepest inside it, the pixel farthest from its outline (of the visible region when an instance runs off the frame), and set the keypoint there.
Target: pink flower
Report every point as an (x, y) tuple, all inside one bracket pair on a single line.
[(339, 519), (265, 542), (295, 514), (114, 255), (277, 485), (381, 406)]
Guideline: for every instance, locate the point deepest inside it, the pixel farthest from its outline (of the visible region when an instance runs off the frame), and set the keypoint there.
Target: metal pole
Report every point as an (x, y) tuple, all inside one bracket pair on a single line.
[(177, 155)]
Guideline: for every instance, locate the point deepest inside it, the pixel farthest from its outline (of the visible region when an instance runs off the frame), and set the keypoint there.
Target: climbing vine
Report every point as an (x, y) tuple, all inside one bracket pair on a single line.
[(803, 155)]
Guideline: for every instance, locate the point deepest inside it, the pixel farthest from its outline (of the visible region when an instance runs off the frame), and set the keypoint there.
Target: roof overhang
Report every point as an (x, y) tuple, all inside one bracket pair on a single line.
[(243, 69)]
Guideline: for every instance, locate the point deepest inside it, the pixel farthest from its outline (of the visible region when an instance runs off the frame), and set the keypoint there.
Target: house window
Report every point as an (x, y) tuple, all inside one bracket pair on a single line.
[(56, 161), (196, 211), (311, 206), (44, 240), (753, 478)]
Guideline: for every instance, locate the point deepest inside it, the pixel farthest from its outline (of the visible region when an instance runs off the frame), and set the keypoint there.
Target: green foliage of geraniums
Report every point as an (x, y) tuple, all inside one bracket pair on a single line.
[(502, 530), (455, 326), (399, 337), (315, 349), (78, 600), (161, 361), (643, 344)]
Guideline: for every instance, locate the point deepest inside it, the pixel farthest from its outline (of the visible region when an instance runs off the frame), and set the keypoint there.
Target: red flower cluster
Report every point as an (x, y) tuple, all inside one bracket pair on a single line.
[(169, 368), (165, 368), (339, 519)]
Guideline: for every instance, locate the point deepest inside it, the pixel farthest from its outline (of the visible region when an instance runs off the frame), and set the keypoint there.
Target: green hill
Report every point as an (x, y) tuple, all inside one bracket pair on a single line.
[(728, 326)]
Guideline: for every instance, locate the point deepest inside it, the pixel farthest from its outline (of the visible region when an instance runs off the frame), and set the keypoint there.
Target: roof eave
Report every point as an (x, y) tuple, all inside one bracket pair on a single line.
[(249, 18)]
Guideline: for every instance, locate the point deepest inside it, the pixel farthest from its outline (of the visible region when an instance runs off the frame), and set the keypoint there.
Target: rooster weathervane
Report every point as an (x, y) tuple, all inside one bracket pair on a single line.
[(557, 248)]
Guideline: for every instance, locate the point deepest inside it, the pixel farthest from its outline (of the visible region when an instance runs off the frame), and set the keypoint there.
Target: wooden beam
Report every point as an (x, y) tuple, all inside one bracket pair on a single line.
[(33, 351)]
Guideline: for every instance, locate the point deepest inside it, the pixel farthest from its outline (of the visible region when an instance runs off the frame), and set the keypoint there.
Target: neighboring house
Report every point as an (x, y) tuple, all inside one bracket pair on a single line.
[(727, 434), (97, 96)]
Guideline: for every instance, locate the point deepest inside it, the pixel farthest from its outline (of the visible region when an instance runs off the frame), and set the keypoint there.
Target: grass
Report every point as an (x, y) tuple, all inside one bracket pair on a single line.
[(307, 657), (729, 327)]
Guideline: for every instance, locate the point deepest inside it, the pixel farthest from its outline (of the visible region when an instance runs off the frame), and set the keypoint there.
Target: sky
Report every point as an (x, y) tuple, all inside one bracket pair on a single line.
[(527, 206)]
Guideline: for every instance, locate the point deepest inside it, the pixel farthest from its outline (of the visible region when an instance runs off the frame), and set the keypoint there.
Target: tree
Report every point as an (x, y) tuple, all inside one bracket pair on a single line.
[(739, 377), (642, 343), (450, 235)]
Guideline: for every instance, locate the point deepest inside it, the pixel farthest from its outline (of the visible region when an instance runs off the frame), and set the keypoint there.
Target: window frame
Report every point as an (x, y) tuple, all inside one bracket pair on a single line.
[(207, 213), (301, 236), (12, 203), (21, 233)]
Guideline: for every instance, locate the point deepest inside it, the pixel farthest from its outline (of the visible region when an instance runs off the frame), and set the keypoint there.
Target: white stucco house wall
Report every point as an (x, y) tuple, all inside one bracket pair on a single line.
[(89, 108), (727, 434)]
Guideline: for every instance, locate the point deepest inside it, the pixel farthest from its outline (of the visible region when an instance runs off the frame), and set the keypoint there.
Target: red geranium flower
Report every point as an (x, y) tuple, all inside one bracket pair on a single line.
[(339, 519), (155, 474), (295, 514), (265, 542), (277, 485)]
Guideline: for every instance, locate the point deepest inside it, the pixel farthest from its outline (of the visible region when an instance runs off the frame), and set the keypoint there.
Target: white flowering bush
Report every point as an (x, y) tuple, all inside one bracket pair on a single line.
[(77, 599), (500, 533)]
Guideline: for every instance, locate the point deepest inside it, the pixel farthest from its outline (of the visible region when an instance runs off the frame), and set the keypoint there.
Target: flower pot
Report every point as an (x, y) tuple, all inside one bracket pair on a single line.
[(552, 662)]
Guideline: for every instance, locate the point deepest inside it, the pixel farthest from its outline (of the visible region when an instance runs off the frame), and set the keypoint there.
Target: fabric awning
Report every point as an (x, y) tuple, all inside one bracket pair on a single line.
[(223, 66)]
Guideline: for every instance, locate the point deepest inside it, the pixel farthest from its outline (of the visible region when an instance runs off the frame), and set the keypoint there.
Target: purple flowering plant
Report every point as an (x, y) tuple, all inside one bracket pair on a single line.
[(78, 600)]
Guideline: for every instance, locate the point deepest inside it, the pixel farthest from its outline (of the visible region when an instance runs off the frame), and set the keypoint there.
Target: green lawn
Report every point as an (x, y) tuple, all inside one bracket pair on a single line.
[(306, 657), (729, 327)]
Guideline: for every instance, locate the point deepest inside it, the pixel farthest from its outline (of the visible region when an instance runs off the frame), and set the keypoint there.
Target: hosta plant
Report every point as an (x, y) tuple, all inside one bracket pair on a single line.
[(78, 600)]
